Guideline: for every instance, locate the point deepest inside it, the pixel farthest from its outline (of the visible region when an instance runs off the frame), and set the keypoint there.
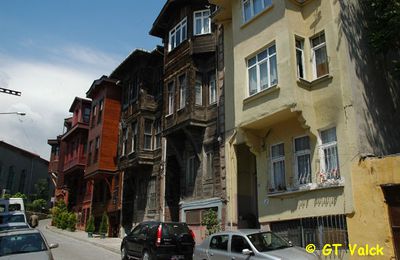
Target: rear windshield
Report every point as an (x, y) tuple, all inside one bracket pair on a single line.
[(11, 218), (21, 244), (171, 229), (2, 208), (14, 207)]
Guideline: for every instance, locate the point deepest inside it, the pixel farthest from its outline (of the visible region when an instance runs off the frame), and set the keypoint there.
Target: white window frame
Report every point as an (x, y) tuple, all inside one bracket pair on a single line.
[(152, 194), (124, 141), (313, 55), (257, 64), (301, 153), (171, 97), (277, 160), (148, 134), (322, 147), (182, 28), (134, 132), (182, 91), (190, 170), (209, 164), (301, 50), (252, 9), (204, 14), (212, 88), (157, 136), (199, 98)]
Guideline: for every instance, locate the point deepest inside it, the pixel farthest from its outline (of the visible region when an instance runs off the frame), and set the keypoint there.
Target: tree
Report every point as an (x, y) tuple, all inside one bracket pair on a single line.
[(42, 189), (210, 220), (104, 224), (90, 225)]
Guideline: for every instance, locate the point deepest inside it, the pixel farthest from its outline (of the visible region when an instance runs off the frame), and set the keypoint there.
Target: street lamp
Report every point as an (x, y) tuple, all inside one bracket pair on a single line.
[(13, 113)]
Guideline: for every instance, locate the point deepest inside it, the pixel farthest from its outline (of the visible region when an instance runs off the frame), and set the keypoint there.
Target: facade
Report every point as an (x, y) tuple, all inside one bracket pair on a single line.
[(102, 177), (139, 149), (20, 170), (191, 116), (302, 116)]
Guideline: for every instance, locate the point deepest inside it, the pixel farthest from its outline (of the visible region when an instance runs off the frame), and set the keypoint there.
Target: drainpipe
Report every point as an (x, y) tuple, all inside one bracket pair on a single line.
[(163, 176), (231, 177)]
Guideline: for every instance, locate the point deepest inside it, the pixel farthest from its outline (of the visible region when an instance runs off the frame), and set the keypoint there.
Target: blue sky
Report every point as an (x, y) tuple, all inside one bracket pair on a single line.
[(52, 51)]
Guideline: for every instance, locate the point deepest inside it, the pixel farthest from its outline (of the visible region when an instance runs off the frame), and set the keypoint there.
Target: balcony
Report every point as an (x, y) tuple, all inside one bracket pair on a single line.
[(74, 163), (141, 157)]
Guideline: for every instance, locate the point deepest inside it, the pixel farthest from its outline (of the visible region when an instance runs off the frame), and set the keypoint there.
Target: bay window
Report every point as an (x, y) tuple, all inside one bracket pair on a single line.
[(178, 34), (202, 22), (254, 7), (319, 56)]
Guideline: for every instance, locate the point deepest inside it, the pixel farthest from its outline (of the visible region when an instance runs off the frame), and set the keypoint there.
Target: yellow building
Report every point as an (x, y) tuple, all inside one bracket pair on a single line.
[(299, 116)]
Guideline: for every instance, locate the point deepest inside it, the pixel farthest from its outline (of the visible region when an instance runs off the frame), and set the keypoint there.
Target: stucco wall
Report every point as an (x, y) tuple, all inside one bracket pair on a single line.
[(370, 223)]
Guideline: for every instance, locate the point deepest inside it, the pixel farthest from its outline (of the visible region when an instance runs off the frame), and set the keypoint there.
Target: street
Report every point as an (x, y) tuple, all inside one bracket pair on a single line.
[(72, 249)]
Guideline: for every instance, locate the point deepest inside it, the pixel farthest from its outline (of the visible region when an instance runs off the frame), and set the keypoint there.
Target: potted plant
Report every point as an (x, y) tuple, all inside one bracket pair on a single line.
[(90, 226), (103, 230)]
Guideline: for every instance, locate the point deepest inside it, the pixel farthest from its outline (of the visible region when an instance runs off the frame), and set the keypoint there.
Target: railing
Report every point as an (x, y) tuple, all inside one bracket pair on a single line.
[(81, 160)]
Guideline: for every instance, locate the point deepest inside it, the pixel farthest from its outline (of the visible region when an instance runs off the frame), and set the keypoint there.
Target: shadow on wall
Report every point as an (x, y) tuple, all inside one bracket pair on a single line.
[(379, 117)]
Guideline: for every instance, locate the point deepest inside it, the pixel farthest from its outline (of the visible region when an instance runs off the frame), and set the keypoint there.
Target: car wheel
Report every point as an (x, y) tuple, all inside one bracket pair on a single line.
[(146, 256), (124, 256)]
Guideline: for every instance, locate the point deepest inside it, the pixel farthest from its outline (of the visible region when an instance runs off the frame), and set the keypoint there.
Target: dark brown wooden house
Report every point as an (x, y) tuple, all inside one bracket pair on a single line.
[(103, 192), (191, 123), (139, 150)]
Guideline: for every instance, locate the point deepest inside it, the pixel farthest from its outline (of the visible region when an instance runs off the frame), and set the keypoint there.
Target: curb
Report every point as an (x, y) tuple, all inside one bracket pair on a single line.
[(84, 240)]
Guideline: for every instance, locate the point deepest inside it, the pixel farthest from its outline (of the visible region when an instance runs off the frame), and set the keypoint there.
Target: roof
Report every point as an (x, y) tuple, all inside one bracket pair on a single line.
[(22, 151), (133, 59), (76, 101), (97, 83), (159, 28)]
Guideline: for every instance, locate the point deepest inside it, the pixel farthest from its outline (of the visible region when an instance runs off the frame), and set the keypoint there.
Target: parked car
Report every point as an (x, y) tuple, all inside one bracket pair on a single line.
[(249, 244), (24, 244), (12, 204), (13, 217), (13, 225), (158, 240)]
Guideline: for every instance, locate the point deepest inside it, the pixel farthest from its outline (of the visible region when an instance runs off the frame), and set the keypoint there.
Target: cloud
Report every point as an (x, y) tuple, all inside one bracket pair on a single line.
[(48, 89)]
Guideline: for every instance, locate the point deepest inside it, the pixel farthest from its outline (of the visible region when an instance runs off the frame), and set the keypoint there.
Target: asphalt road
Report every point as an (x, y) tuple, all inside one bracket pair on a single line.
[(71, 249)]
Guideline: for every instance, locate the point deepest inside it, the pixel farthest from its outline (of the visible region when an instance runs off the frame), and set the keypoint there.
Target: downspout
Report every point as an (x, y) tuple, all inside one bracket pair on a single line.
[(230, 141), (163, 176)]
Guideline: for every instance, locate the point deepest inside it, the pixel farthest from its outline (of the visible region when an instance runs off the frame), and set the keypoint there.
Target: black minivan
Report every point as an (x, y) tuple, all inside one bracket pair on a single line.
[(158, 240)]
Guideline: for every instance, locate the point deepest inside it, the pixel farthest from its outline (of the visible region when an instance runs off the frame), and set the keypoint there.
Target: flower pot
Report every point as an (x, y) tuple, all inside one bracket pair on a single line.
[(90, 234)]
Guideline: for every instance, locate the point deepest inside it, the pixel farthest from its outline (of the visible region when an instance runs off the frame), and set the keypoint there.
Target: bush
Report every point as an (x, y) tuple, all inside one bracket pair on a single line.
[(37, 205), (90, 225), (104, 224), (63, 221), (210, 220), (71, 223)]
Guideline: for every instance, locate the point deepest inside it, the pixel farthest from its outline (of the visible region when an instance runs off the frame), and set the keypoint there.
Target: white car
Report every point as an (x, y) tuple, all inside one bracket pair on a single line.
[(249, 244)]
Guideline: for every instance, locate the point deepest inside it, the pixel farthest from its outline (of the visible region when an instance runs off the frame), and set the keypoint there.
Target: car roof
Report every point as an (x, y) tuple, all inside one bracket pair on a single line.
[(19, 232), (244, 232), (14, 224)]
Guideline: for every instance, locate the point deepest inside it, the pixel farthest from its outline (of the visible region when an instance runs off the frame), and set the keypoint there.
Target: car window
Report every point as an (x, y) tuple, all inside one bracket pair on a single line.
[(2, 208), (267, 241), (14, 207), (21, 243), (144, 229), (171, 229), (238, 243), (219, 242), (4, 219), (136, 230)]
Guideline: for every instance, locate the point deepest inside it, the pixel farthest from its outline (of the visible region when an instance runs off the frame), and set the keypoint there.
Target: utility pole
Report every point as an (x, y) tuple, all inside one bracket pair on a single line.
[(9, 91)]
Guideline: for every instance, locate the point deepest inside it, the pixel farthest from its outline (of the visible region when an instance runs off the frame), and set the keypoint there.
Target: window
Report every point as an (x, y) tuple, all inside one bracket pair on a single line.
[(190, 171), (177, 35), (134, 132), (94, 115), (212, 89), (329, 154), (278, 166), (96, 149), (262, 70), (86, 115), (199, 91), (319, 56), (22, 179), (90, 152), (219, 242), (238, 243), (202, 24), (254, 7), (182, 91), (157, 129), (133, 90), (151, 194), (101, 107), (124, 141), (210, 165), (302, 159), (300, 58), (148, 129), (171, 97)]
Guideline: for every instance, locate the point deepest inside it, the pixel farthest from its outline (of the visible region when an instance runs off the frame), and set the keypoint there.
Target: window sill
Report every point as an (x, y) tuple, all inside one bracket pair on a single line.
[(169, 115), (310, 84), (245, 24), (260, 94), (306, 188)]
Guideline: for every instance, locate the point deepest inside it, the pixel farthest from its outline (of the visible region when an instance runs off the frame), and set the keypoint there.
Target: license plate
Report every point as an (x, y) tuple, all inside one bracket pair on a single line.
[(177, 257)]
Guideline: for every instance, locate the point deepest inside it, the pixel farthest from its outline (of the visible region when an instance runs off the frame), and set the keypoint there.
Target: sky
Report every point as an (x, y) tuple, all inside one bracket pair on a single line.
[(52, 51)]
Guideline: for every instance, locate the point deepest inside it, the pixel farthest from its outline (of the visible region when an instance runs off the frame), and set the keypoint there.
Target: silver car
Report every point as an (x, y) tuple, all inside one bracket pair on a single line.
[(249, 244), (24, 244)]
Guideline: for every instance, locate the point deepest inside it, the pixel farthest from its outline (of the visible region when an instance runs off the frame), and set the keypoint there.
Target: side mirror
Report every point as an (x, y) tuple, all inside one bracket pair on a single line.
[(51, 246), (247, 252)]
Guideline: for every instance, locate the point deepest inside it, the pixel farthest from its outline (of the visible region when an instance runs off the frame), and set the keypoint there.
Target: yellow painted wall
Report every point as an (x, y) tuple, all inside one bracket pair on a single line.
[(370, 223)]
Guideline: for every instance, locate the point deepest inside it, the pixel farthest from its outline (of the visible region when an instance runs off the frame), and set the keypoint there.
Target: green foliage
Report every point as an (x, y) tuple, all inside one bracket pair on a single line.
[(104, 224), (210, 220), (61, 217), (71, 225), (16, 195), (42, 189), (90, 225), (37, 205)]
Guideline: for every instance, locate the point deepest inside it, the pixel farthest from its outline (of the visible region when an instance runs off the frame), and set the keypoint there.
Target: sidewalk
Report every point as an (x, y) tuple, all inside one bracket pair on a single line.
[(110, 243)]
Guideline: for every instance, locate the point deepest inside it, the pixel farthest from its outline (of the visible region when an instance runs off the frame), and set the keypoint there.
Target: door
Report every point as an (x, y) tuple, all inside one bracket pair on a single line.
[(218, 248), (392, 197), (132, 240), (238, 243)]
